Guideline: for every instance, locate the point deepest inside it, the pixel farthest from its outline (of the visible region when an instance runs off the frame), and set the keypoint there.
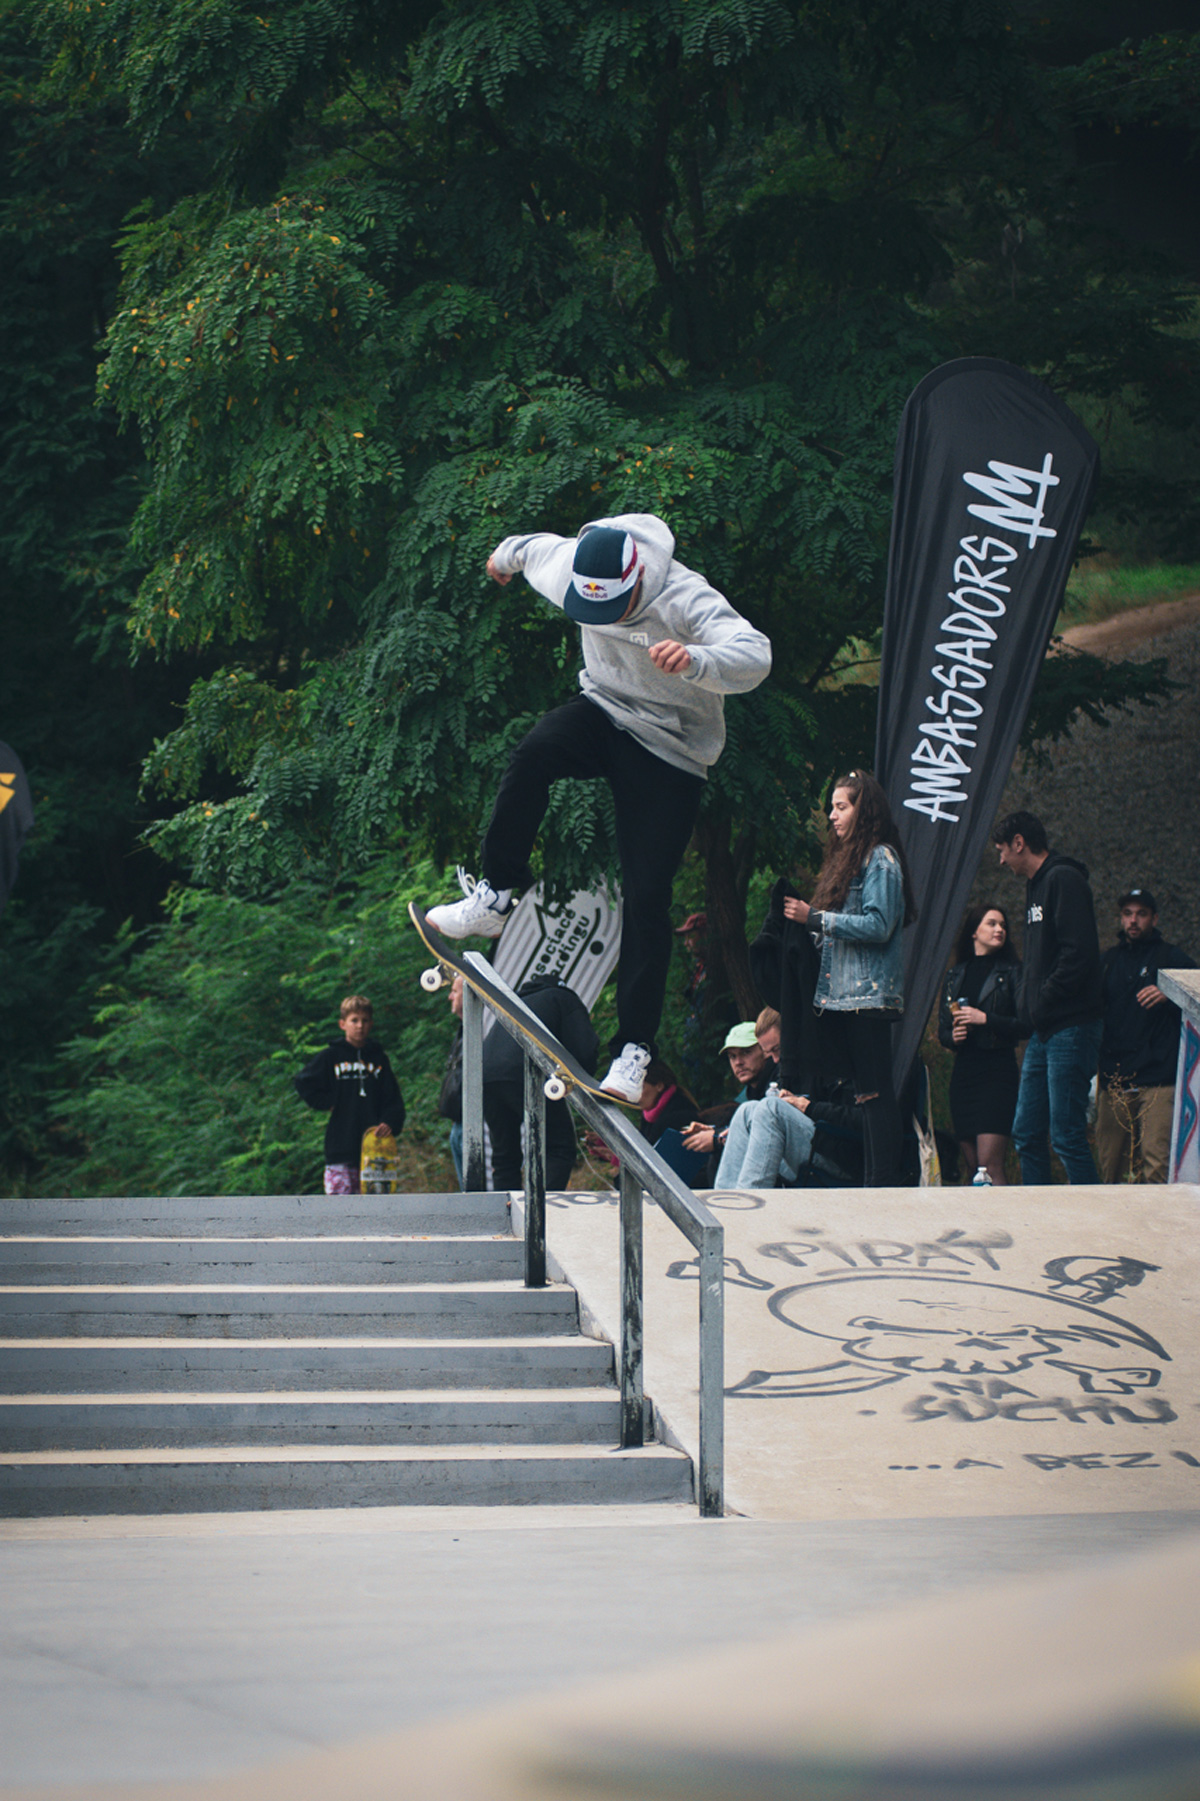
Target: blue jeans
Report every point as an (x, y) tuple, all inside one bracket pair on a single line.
[(767, 1138), (1052, 1103)]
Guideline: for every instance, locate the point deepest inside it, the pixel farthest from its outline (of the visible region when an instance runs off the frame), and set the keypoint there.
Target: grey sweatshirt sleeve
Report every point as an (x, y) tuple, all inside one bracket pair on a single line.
[(728, 655), (543, 558)]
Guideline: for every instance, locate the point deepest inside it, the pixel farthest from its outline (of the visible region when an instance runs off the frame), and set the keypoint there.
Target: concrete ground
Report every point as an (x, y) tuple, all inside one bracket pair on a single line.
[(163, 1650), (266, 1649), (894, 1353)]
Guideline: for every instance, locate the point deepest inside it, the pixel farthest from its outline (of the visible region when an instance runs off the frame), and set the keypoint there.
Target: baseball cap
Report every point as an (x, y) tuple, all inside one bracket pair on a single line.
[(695, 922), (741, 1037), (1142, 897), (604, 573)]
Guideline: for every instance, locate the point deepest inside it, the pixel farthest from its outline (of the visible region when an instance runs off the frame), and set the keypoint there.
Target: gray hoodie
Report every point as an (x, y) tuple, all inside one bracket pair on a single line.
[(680, 718)]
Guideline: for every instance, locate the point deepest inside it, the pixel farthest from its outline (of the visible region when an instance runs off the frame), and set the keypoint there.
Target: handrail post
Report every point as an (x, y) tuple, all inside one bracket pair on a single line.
[(535, 1176), (641, 1169), (711, 1474), (633, 1408), (474, 1161)]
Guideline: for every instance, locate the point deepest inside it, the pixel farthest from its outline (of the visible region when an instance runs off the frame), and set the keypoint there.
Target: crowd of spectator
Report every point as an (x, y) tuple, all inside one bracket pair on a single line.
[(812, 1101)]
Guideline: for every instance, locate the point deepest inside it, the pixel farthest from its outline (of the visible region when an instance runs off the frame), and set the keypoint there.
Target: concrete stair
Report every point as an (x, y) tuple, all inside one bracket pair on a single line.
[(195, 1355)]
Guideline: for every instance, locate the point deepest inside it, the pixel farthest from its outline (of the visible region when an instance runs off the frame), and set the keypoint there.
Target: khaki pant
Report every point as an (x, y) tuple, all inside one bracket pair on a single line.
[(1134, 1131)]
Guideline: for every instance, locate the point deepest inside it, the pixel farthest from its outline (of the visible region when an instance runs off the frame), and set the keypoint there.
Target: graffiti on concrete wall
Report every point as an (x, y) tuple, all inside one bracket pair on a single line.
[(935, 1321)]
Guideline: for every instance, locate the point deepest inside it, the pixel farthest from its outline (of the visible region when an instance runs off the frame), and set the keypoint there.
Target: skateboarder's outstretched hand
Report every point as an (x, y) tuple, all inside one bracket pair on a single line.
[(671, 658), (497, 575)]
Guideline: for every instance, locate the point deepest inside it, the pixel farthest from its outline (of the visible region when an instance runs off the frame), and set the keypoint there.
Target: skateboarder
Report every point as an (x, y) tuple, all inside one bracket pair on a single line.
[(661, 649)]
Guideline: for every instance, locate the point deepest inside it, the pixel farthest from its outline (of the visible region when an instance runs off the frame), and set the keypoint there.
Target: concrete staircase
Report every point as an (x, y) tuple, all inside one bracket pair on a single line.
[(199, 1355)]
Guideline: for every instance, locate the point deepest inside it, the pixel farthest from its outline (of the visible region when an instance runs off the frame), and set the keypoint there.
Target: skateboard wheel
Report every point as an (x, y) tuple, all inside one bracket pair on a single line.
[(555, 1088), (431, 980)]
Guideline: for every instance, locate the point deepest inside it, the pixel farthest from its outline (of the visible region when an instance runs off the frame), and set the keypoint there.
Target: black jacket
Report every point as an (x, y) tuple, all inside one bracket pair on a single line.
[(785, 963), (561, 1010), (679, 1112), (1140, 1044), (357, 1089), (999, 998), (1061, 983), (837, 1146), (450, 1094)]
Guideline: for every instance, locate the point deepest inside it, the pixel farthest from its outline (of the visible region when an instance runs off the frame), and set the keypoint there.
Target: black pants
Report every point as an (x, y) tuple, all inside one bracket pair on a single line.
[(656, 806), (504, 1111), (860, 1044)]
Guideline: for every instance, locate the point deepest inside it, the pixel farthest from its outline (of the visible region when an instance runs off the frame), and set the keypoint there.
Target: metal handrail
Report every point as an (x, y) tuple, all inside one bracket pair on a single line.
[(642, 1169)]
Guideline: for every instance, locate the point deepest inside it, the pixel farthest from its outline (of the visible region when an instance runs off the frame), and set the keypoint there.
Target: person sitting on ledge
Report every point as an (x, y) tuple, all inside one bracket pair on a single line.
[(778, 1140), (752, 1048)]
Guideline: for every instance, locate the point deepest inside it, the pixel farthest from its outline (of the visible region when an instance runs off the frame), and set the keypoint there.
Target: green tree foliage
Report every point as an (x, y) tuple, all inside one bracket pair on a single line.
[(400, 278), (80, 716), (185, 1084), (457, 272)]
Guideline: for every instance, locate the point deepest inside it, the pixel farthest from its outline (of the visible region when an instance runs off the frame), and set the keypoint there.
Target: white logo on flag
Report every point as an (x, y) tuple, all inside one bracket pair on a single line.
[(1009, 487)]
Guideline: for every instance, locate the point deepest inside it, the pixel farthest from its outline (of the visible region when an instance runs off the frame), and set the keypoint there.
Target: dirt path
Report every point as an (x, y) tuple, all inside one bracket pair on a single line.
[(1116, 635)]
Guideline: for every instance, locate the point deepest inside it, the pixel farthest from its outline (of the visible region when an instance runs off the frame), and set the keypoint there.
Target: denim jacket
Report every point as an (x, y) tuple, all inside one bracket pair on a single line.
[(862, 956)]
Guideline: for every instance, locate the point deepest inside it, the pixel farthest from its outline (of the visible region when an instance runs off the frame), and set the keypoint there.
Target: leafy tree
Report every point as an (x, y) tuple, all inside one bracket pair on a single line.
[(448, 272), (70, 702), (183, 1086)]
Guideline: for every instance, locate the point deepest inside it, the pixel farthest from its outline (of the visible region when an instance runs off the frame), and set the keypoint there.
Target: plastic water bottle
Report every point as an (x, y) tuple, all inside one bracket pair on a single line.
[(981, 1179), (772, 1091)]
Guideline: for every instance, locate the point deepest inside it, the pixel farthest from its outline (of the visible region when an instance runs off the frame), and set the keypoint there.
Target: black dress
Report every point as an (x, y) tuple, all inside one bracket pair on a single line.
[(983, 1087)]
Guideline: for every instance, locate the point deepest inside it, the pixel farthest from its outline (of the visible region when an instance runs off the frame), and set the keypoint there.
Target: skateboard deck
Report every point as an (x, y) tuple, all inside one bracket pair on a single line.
[(379, 1164), (568, 1073)]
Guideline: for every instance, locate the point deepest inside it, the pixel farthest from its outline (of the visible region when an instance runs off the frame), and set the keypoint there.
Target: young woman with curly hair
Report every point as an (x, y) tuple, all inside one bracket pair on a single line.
[(862, 902)]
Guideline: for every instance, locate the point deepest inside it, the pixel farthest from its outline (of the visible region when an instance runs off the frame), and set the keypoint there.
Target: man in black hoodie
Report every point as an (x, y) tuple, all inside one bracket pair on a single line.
[(1140, 1047), (1060, 1002)]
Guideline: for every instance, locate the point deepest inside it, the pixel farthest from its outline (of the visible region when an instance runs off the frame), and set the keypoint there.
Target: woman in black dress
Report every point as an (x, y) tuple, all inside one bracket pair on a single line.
[(978, 1022)]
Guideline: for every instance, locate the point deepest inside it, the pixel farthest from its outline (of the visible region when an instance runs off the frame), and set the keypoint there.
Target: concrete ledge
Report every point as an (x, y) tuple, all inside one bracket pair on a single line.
[(254, 1216), (174, 1481), (483, 1416), (918, 1352), (442, 1310), (118, 1364), (60, 1260)]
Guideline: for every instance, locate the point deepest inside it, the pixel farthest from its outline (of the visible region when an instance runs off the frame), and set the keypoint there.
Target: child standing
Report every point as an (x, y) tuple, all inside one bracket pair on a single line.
[(352, 1081)]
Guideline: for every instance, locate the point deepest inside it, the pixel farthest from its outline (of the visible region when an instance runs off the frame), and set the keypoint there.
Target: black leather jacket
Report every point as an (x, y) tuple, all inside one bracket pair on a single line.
[(999, 999)]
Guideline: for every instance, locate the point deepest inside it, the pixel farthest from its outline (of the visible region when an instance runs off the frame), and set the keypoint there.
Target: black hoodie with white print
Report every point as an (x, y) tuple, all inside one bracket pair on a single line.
[(1061, 963)]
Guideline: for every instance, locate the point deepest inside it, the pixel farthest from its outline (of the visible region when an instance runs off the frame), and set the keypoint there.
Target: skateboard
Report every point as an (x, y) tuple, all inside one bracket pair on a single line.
[(568, 1074), (379, 1164)]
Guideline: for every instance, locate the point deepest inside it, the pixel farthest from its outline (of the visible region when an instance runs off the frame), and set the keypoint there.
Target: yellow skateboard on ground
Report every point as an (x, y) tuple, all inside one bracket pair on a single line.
[(568, 1073)]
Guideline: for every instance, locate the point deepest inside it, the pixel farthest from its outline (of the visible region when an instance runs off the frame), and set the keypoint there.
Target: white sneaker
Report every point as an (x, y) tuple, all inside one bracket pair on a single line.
[(482, 912), (627, 1074)]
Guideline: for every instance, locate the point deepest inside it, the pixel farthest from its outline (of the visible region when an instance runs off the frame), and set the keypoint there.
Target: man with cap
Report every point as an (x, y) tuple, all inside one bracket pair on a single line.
[(752, 1048), (661, 649), (1140, 1046)]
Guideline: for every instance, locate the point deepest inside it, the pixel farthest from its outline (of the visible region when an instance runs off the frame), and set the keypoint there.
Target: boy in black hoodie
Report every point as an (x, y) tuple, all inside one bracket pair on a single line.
[(1060, 1002), (352, 1081)]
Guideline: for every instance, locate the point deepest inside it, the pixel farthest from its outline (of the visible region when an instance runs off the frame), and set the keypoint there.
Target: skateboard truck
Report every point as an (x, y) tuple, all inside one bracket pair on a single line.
[(567, 1074), (555, 1088)]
